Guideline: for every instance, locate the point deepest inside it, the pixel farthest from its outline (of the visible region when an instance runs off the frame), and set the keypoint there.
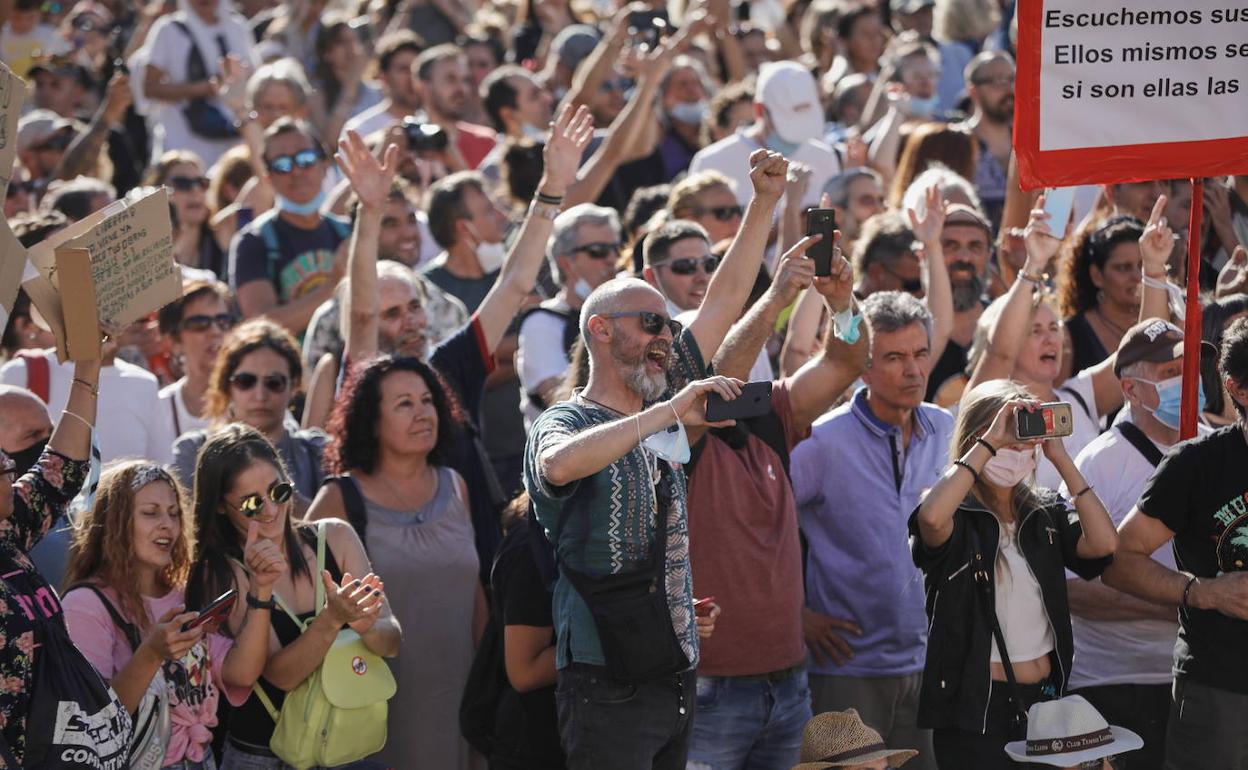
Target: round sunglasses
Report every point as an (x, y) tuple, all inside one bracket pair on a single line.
[(274, 383), (279, 492)]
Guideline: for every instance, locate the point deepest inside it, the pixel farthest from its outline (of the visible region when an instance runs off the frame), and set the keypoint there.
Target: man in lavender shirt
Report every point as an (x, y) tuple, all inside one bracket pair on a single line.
[(864, 621)]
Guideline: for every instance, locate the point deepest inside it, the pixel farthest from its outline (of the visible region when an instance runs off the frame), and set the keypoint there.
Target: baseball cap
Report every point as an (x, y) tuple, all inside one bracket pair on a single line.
[(788, 91), (907, 7), (962, 214), (37, 126), (1152, 340), (574, 43), (61, 66)]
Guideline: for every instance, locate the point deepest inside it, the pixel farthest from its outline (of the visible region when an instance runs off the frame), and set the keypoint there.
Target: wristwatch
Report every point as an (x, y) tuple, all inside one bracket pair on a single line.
[(255, 603)]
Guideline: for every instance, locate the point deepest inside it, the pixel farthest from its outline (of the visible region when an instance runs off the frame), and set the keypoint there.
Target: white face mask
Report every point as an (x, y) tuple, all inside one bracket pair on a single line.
[(533, 132), (1008, 467), (582, 288), (689, 113), (671, 444), (489, 255)]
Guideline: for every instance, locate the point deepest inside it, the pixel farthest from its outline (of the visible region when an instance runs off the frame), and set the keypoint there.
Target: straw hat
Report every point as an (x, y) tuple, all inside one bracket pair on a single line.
[(1068, 732), (840, 739)]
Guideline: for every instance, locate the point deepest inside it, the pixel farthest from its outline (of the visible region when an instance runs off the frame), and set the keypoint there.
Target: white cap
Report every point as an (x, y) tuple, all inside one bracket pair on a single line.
[(788, 91)]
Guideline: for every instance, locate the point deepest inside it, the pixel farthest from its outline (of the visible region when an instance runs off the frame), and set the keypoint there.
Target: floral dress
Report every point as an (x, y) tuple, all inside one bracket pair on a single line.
[(26, 600)]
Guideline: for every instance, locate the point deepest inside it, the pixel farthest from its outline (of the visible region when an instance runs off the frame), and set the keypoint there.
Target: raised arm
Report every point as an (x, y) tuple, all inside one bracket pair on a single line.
[(803, 333), (569, 136), (1156, 243), (939, 296), (82, 154), (1006, 338), (371, 181), (591, 73), (731, 284)]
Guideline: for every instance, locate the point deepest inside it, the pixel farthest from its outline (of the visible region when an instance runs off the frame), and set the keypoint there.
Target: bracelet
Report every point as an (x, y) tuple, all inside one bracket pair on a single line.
[(553, 200), (1156, 283), (1082, 492), (79, 418), (93, 389), (1187, 590), (256, 604), (1036, 279), (992, 450), (964, 464), (545, 211)]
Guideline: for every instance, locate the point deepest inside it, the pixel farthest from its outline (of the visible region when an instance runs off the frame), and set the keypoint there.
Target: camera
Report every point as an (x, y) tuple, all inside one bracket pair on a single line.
[(425, 137)]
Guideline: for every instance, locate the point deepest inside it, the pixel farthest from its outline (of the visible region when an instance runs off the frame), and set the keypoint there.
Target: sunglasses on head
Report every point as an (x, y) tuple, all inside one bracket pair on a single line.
[(689, 265), (284, 164), (274, 383), (651, 323), (721, 213), (187, 183), (599, 250), (201, 323), (280, 492)]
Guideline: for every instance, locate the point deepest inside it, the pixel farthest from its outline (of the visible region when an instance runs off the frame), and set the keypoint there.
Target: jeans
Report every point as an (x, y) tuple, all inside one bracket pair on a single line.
[(608, 725), (956, 749), (750, 722), (1141, 708), (1206, 729), (236, 759), (207, 763), (888, 704)]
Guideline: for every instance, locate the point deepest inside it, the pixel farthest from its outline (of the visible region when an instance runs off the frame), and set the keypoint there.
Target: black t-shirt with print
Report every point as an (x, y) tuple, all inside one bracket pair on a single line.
[(1200, 491)]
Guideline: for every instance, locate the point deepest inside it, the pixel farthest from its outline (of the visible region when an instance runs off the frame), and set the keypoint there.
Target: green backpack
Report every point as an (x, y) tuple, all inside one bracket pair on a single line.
[(338, 714)]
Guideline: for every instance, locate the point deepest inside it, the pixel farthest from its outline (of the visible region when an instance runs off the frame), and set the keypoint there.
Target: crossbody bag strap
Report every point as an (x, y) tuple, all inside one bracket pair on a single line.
[(983, 579), (129, 629)]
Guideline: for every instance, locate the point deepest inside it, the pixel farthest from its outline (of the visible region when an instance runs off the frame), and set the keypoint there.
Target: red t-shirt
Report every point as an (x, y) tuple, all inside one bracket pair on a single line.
[(744, 550), (474, 142)]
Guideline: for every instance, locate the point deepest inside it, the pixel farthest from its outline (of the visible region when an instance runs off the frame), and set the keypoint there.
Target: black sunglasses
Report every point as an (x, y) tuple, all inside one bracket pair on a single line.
[(721, 213), (275, 383), (280, 492), (651, 323), (599, 250), (187, 183), (284, 164), (689, 265), (908, 285), (201, 323)]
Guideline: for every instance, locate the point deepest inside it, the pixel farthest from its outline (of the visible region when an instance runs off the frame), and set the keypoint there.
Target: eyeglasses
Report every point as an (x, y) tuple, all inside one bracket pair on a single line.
[(284, 164), (599, 250), (651, 323), (689, 265), (201, 323), (187, 183), (279, 492), (274, 383), (908, 285), (721, 213)]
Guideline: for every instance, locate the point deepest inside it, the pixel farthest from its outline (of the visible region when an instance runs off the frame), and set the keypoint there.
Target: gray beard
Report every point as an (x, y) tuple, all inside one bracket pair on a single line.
[(648, 386), (966, 294)]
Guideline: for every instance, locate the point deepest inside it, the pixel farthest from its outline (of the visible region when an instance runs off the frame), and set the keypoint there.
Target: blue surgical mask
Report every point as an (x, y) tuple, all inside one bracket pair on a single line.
[(777, 143), (533, 132), (302, 209), (689, 113), (1170, 399), (582, 288), (924, 107)]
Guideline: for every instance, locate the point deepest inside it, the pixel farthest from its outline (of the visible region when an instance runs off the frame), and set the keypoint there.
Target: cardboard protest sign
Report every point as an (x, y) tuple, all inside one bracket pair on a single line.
[(133, 272), (12, 94), (1129, 90)]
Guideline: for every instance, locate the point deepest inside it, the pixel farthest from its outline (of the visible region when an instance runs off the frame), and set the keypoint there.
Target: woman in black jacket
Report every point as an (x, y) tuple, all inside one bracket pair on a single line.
[(994, 550)]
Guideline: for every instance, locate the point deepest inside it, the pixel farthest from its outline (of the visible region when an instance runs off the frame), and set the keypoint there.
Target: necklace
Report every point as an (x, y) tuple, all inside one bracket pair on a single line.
[(584, 397), (398, 496), (1120, 331)]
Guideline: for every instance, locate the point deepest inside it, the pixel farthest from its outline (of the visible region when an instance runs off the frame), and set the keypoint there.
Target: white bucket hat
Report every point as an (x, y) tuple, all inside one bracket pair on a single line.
[(1068, 732)]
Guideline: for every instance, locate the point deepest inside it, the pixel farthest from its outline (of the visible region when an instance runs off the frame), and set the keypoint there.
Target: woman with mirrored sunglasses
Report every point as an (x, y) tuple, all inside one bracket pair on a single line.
[(195, 324), (243, 494), (253, 381), (182, 173)]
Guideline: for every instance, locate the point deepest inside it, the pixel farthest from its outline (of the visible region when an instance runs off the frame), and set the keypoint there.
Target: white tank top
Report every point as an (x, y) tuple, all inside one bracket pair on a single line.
[(1020, 605)]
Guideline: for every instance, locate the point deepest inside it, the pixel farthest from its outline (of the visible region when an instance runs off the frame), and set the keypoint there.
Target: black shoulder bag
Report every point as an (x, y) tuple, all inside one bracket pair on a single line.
[(984, 581), (630, 609), (204, 118)]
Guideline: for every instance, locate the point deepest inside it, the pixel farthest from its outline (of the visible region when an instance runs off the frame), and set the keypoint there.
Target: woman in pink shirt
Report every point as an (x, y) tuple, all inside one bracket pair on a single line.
[(133, 550)]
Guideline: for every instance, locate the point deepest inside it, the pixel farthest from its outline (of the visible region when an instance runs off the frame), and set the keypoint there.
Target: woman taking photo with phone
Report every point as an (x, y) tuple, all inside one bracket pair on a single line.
[(994, 551), (127, 573), (243, 491)]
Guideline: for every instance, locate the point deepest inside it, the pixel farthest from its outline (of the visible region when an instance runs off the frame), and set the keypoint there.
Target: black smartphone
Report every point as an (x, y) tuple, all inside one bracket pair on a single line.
[(821, 222), (1053, 420), (754, 401), (647, 27), (425, 137), (216, 612)]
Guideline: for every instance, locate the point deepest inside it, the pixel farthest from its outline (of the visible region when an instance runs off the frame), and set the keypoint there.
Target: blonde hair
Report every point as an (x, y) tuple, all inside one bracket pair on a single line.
[(979, 408), (683, 193)]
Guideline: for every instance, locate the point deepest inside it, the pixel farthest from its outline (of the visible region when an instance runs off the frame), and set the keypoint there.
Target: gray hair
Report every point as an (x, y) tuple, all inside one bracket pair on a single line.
[(891, 311), (837, 188), (286, 72), (608, 298), (564, 236), (684, 62), (949, 182)]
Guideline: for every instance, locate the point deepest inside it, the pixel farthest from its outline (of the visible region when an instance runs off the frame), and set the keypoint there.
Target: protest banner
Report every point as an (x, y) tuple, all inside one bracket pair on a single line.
[(12, 253), (133, 271), (1112, 91)]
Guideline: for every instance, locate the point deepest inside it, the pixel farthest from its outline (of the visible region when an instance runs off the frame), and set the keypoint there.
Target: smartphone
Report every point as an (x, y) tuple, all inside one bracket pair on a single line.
[(1059, 202), (216, 612), (703, 606), (1052, 420), (647, 27), (754, 401), (821, 222)]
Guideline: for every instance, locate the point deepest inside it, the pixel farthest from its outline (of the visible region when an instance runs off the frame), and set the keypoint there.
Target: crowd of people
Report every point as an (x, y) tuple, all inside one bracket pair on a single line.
[(464, 284)]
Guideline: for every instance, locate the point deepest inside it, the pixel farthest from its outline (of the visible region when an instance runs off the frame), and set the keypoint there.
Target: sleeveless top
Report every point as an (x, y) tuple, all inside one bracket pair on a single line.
[(1086, 348), (429, 552), (250, 723)]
